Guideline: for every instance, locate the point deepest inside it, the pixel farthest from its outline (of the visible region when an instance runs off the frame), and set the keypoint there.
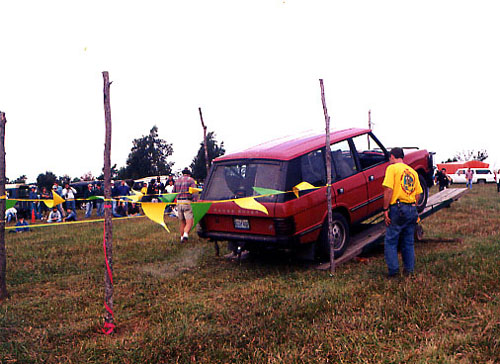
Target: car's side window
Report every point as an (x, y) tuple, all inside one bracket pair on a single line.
[(370, 152), (313, 168), (343, 164)]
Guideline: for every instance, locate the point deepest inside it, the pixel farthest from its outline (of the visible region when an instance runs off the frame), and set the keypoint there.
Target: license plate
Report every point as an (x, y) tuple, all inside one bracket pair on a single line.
[(241, 224)]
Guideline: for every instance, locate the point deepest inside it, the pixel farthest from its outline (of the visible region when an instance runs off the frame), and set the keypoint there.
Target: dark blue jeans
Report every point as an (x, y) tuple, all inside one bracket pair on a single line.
[(400, 231), (99, 205)]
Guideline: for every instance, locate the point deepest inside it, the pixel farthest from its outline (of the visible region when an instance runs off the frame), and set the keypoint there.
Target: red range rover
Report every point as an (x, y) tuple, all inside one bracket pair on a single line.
[(359, 161)]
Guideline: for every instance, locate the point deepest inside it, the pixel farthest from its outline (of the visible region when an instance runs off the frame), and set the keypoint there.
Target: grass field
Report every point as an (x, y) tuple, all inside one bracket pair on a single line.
[(180, 303)]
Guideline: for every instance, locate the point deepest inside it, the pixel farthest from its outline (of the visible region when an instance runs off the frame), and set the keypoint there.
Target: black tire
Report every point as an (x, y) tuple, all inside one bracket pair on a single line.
[(422, 201), (341, 236)]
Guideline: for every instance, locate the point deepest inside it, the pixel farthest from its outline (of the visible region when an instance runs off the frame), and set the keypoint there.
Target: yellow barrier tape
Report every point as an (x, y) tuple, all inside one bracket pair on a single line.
[(153, 212), (69, 222)]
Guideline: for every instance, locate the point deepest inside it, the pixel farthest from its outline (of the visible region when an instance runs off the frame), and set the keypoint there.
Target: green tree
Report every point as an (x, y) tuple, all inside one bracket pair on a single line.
[(148, 156), (214, 150), (64, 179), (20, 179), (114, 173), (46, 179), (468, 155)]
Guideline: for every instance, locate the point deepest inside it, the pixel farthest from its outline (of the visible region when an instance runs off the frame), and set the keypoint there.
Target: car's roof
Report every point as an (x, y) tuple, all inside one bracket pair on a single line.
[(291, 147)]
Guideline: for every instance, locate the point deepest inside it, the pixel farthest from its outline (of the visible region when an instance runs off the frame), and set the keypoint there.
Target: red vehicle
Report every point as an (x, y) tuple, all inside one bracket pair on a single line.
[(359, 161)]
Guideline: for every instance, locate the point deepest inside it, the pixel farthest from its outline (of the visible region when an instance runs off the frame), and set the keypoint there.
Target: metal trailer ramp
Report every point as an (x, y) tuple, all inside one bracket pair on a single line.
[(376, 231)]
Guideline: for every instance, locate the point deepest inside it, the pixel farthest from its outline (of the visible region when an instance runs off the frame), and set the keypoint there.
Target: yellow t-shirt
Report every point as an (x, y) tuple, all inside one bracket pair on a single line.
[(403, 181)]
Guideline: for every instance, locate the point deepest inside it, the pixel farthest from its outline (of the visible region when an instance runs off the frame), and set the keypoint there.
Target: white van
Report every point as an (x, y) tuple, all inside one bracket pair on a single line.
[(481, 175)]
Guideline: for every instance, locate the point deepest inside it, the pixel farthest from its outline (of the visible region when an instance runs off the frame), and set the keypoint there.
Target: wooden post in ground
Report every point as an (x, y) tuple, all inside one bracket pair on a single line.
[(328, 158), (207, 163), (369, 127), (109, 324), (3, 257)]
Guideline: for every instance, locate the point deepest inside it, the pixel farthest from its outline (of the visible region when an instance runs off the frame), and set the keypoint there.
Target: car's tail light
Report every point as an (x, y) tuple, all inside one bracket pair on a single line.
[(284, 226)]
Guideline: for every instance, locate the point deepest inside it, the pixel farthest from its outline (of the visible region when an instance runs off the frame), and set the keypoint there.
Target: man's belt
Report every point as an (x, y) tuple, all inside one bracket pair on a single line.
[(404, 203)]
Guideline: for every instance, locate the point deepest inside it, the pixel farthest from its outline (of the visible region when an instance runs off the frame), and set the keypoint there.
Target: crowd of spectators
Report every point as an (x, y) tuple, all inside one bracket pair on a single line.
[(91, 199)]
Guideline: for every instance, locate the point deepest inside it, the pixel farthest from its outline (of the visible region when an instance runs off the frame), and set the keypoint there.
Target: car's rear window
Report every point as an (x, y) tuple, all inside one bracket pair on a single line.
[(236, 179)]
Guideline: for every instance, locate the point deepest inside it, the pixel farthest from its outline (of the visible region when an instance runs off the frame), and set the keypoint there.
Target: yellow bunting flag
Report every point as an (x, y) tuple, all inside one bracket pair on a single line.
[(251, 204), (135, 197), (155, 211), (56, 200), (194, 190), (301, 187)]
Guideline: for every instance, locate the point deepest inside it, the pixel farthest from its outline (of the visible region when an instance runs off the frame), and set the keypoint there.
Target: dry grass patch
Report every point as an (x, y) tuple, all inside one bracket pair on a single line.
[(179, 303)]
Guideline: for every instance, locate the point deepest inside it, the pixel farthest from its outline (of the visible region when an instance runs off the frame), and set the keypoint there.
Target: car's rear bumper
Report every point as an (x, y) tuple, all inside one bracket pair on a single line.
[(251, 238)]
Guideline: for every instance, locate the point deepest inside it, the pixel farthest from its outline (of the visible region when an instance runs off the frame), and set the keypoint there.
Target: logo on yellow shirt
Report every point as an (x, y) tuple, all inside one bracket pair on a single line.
[(408, 183)]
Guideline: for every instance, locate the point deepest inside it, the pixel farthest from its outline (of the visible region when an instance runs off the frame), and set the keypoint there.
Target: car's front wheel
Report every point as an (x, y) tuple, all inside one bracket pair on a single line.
[(340, 229)]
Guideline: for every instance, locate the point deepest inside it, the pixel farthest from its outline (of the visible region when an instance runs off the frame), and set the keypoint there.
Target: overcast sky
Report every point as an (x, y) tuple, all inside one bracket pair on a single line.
[(429, 71)]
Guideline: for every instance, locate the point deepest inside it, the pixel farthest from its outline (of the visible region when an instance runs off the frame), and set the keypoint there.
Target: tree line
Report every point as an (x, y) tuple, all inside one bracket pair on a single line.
[(149, 156)]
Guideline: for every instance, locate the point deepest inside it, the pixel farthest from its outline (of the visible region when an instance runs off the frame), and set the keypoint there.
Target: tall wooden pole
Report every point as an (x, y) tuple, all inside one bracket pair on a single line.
[(3, 257), (207, 163), (328, 158), (207, 166), (108, 223), (369, 126)]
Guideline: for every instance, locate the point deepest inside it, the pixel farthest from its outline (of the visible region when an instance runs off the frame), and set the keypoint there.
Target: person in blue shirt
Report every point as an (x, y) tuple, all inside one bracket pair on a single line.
[(35, 206), (71, 215), (22, 225), (123, 190), (99, 203)]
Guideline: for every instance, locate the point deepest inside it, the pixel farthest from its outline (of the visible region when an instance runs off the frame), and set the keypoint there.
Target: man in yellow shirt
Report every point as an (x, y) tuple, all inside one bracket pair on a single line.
[(401, 191)]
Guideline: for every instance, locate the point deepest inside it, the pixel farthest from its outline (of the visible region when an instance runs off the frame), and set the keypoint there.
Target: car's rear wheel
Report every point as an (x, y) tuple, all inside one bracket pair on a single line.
[(340, 236), (422, 201)]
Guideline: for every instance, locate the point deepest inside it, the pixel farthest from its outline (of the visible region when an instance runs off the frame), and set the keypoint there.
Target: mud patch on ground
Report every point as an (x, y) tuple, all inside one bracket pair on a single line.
[(186, 260)]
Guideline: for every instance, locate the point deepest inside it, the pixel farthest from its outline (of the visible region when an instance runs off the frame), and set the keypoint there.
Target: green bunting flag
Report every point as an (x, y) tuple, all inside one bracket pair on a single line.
[(266, 191), (199, 210), (9, 204), (169, 197)]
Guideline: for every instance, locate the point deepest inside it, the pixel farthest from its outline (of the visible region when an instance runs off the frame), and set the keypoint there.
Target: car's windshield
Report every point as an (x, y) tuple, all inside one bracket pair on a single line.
[(236, 179)]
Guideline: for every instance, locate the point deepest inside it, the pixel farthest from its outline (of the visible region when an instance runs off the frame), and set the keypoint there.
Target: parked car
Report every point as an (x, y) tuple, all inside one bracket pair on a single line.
[(480, 175), (18, 191), (80, 188), (359, 161)]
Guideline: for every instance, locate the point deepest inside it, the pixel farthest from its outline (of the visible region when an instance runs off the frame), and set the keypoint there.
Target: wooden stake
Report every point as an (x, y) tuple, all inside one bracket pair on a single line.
[(207, 163), (3, 257), (108, 223), (369, 127), (328, 158)]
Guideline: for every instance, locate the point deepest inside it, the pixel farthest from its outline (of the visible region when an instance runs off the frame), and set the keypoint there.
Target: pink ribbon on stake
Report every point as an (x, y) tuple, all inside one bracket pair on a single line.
[(108, 326)]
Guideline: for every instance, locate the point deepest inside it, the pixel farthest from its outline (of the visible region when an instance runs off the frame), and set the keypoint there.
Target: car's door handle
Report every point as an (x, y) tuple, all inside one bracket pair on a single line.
[(371, 178), (340, 191)]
